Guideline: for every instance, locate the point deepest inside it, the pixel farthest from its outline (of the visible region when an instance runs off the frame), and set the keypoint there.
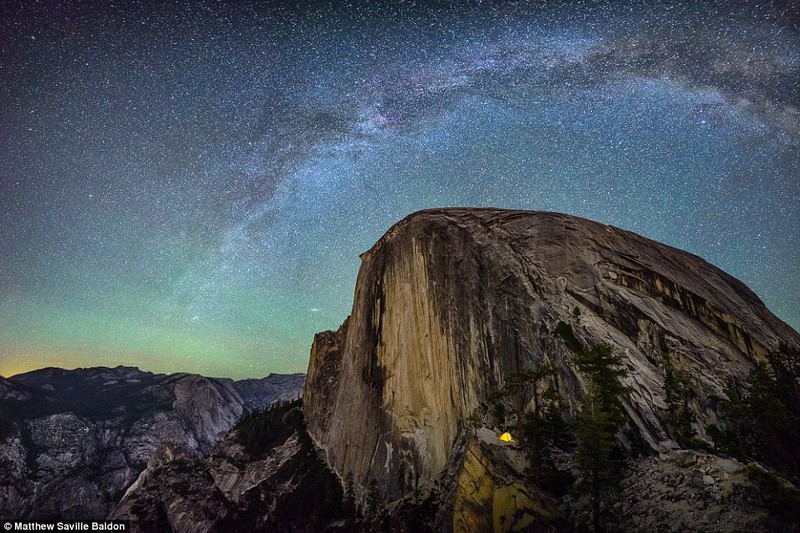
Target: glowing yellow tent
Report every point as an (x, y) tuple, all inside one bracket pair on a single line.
[(506, 437)]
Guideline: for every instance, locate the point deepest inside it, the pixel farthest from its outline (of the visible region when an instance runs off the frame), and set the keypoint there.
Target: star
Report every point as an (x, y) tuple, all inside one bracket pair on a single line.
[(225, 163)]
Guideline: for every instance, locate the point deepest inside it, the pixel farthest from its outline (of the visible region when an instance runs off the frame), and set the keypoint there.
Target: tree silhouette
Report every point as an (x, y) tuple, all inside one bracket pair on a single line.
[(601, 416), (349, 501), (514, 387), (679, 416), (375, 500)]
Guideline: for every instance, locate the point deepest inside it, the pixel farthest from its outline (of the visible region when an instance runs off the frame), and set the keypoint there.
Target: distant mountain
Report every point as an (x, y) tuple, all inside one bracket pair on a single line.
[(72, 441)]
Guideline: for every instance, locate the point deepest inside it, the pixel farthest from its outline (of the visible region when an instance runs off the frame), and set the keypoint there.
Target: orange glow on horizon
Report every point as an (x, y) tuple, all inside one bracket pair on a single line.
[(20, 365), (13, 364)]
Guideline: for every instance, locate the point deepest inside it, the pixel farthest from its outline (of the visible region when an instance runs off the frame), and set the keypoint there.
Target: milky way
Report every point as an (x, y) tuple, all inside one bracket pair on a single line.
[(186, 186)]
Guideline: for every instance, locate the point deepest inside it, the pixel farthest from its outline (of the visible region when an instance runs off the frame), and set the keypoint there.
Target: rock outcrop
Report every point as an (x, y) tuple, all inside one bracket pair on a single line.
[(276, 482), (493, 494), (73, 441), (449, 302), (691, 491)]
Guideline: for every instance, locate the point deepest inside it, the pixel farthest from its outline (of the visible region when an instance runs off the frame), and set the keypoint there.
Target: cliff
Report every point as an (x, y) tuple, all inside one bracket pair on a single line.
[(450, 302)]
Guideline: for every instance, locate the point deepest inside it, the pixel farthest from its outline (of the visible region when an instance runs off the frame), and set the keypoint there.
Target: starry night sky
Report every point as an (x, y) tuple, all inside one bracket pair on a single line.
[(186, 186)]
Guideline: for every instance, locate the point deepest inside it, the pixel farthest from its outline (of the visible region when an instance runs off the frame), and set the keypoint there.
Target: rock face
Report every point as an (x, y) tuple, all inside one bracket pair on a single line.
[(73, 441), (492, 493), (449, 302)]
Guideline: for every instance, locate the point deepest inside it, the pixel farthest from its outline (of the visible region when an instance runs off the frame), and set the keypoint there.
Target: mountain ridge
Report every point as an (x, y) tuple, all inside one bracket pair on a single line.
[(72, 441)]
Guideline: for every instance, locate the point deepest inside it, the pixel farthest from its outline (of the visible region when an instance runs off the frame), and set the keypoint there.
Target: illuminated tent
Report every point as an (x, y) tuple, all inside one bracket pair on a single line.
[(506, 437)]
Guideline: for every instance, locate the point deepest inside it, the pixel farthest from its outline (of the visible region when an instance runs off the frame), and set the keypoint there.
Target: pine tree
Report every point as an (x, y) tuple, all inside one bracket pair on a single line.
[(349, 500), (605, 369), (374, 502), (544, 426), (679, 416), (602, 414), (596, 442), (773, 421), (515, 386), (761, 420), (740, 417)]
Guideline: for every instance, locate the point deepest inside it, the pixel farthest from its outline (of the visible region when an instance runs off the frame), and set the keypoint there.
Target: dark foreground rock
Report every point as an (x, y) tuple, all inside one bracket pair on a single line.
[(265, 475)]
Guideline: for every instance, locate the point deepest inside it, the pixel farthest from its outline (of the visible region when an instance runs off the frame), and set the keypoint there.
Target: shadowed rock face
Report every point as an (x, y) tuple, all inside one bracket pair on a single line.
[(450, 301)]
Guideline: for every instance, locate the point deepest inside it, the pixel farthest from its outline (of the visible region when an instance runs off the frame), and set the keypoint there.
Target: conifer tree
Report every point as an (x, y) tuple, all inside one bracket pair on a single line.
[(544, 426), (515, 386), (602, 415), (679, 416), (595, 434), (349, 500), (374, 501)]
